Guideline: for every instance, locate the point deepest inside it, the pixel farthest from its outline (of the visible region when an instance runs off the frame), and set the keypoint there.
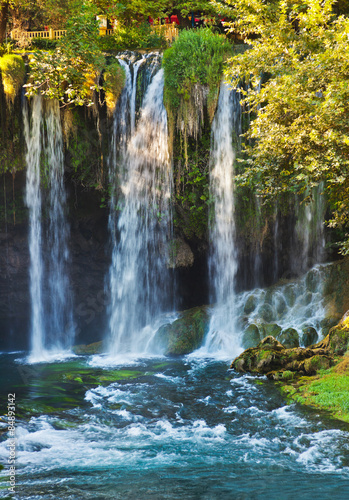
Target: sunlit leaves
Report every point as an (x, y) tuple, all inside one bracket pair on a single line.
[(299, 69)]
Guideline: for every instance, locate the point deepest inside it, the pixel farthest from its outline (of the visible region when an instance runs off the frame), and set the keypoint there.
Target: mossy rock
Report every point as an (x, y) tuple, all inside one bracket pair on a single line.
[(289, 338), (290, 295), (251, 336), (281, 305), (270, 357), (309, 336), (250, 304), (317, 362), (313, 281), (266, 313), (270, 329), (186, 333), (327, 323), (95, 348), (307, 298), (337, 341)]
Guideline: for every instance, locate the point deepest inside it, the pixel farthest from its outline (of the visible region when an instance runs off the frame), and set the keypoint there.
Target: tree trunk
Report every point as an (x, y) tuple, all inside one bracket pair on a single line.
[(4, 11)]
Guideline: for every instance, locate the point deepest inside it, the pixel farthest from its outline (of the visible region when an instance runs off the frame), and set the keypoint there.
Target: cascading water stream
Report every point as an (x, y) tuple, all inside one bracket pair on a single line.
[(33, 201), (223, 259), (138, 274), (59, 327), (309, 238), (52, 320)]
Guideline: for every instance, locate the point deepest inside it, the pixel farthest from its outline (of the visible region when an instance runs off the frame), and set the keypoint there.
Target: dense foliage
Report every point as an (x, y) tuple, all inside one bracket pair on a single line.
[(72, 71), (132, 36), (193, 71), (299, 73), (13, 73)]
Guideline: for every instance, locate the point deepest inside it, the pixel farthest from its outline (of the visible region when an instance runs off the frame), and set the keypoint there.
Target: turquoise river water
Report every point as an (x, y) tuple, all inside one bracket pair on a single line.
[(161, 428)]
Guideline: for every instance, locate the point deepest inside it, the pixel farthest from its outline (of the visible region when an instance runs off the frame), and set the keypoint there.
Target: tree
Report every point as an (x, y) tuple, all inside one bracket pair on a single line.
[(299, 91), (71, 72), (4, 12)]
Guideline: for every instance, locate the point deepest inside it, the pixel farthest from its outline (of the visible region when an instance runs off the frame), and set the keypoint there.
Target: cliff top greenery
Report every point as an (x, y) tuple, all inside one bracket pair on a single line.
[(298, 70)]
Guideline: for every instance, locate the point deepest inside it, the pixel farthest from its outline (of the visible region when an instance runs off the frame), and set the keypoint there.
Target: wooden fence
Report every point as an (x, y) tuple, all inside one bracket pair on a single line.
[(169, 31)]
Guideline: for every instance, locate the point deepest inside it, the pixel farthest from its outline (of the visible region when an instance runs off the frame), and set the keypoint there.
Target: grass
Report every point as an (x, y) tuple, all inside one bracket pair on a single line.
[(328, 390)]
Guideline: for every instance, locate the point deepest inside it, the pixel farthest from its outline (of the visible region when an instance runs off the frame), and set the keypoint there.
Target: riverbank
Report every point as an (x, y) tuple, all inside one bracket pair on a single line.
[(327, 390), (316, 376)]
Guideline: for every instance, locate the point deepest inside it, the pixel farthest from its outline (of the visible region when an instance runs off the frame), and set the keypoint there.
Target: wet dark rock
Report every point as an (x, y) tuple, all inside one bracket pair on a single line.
[(186, 333), (181, 254), (327, 323), (251, 336), (251, 304), (281, 305), (290, 295), (289, 338), (270, 357), (270, 329), (95, 348), (309, 336), (337, 341), (266, 313), (313, 281)]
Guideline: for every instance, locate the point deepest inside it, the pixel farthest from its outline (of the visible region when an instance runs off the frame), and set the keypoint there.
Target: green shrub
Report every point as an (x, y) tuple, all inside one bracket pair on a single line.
[(7, 48), (135, 36), (196, 59), (13, 73), (44, 44), (114, 81)]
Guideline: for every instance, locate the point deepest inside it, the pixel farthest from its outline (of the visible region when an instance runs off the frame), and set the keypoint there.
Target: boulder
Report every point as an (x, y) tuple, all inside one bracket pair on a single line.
[(337, 341), (95, 348), (251, 336), (327, 323), (266, 313), (313, 281), (290, 295), (281, 305), (289, 338), (250, 304), (270, 329), (270, 357), (185, 334), (180, 254), (309, 336)]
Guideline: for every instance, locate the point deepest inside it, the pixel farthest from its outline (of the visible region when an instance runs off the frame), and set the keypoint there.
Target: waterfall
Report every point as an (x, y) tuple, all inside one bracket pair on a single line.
[(309, 238), (223, 259), (33, 201), (51, 303), (138, 273)]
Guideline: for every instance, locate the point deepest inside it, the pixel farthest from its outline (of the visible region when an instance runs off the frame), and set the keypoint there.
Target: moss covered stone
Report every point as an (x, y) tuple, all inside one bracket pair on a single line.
[(266, 313), (251, 336), (250, 304), (270, 329), (270, 357), (186, 333), (309, 336), (95, 348), (289, 338), (337, 341)]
